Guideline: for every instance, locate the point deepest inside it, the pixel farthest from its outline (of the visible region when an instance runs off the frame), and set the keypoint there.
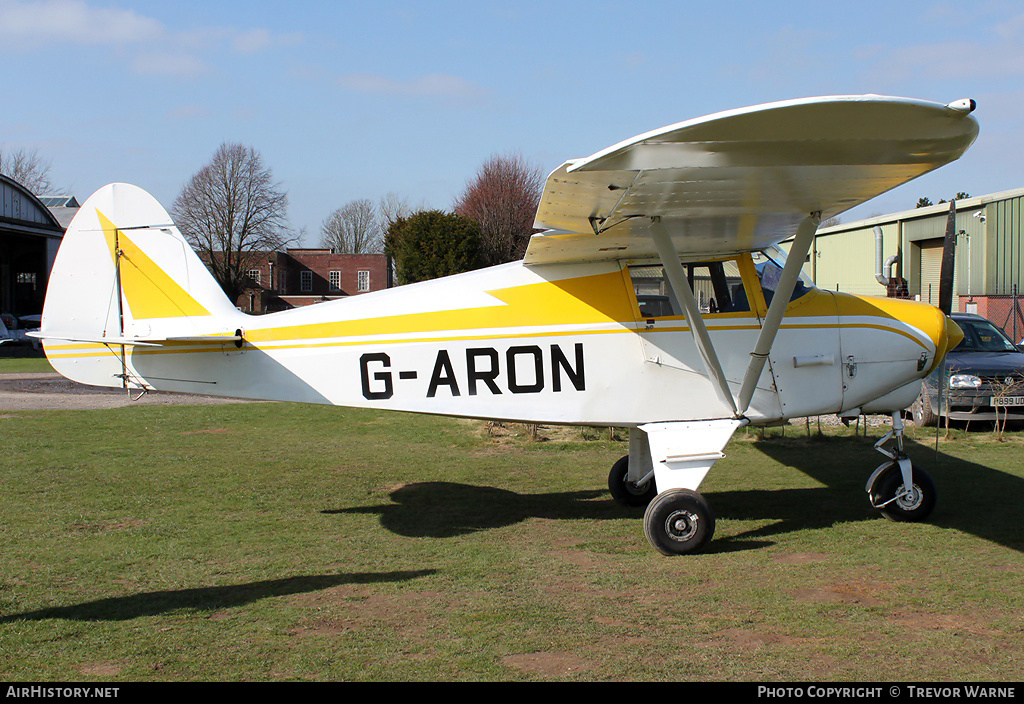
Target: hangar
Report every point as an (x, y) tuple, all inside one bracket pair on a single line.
[(901, 253), (29, 237)]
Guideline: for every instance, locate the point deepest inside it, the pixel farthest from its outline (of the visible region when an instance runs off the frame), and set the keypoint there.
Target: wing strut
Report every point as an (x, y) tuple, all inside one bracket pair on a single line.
[(684, 297), (773, 318)]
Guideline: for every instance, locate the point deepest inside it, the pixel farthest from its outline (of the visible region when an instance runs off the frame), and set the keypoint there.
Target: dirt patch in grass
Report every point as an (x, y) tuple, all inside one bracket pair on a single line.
[(100, 669), (960, 622), (865, 594), (548, 665)]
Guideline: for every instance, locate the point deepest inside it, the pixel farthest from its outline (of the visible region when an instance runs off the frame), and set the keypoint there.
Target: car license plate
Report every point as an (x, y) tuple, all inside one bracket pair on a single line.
[(1008, 400)]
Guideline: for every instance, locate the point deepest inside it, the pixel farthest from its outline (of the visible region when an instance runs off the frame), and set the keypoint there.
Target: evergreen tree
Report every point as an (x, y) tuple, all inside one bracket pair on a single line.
[(432, 244)]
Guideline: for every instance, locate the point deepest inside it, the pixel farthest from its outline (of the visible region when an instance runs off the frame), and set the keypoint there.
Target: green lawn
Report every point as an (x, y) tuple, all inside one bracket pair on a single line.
[(289, 542), (20, 365)]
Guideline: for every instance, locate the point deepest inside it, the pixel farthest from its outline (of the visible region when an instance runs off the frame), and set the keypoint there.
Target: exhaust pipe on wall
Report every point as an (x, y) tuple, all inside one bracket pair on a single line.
[(879, 276)]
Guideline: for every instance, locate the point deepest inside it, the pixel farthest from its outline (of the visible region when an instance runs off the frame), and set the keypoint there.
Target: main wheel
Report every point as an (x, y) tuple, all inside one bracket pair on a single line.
[(679, 522), (921, 411), (915, 506), (626, 492)]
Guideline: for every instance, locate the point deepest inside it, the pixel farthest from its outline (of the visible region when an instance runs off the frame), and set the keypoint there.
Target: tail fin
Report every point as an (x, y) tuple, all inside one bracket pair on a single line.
[(125, 277)]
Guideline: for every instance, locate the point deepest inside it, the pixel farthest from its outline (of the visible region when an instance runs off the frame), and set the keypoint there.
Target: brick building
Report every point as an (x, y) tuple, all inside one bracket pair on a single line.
[(301, 277)]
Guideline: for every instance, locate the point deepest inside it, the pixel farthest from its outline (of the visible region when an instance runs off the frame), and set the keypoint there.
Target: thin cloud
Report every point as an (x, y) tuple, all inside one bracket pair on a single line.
[(169, 64), (38, 24), (33, 24), (994, 52), (430, 85), (253, 41)]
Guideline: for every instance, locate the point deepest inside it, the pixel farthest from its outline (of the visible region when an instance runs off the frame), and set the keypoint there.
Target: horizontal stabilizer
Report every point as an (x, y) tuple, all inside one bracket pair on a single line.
[(102, 340), (220, 338)]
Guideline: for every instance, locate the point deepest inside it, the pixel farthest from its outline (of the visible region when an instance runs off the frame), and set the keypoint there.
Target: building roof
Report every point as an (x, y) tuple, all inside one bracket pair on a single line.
[(24, 213), (929, 210), (59, 201)]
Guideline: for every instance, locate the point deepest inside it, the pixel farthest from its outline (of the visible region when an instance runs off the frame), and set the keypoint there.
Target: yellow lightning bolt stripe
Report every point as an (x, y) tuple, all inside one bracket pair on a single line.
[(596, 299)]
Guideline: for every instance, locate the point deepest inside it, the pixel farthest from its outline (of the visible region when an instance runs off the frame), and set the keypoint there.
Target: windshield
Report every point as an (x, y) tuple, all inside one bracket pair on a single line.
[(982, 336), (768, 264)]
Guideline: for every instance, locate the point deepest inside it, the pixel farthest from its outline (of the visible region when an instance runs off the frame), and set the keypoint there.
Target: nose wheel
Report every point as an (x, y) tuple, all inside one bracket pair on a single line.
[(898, 489), (898, 503)]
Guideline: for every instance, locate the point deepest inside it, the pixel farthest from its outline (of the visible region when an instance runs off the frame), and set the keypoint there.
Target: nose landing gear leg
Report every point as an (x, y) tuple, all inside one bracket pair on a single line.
[(897, 488)]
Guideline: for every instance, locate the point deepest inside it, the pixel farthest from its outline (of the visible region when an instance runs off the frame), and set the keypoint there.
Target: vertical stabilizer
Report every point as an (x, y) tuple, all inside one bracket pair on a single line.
[(124, 276)]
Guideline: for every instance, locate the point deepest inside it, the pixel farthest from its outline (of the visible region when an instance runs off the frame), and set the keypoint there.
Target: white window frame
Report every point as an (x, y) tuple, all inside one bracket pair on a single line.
[(335, 280), (363, 280), (306, 281)]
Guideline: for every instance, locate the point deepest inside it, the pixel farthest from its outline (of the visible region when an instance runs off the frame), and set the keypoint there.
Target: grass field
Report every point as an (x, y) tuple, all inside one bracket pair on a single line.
[(288, 542), (19, 365)]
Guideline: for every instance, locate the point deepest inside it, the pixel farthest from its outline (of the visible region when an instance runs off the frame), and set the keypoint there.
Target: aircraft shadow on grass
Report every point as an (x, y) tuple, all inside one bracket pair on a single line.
[(447, 509), (125, 608), (972, 498)]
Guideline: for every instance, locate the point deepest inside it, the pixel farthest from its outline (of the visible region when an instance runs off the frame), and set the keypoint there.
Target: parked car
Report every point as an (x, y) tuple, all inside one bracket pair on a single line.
[(983, 373)]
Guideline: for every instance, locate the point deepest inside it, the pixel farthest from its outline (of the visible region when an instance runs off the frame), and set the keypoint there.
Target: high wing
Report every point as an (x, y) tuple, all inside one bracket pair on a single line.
[(743, 179)]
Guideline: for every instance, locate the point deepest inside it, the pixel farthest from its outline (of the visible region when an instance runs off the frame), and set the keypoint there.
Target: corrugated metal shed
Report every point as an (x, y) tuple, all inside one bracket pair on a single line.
[(1004, 261), (989, 257)]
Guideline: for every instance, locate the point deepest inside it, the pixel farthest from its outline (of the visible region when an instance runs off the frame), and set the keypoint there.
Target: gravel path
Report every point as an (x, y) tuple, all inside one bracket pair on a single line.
[(50, 391)]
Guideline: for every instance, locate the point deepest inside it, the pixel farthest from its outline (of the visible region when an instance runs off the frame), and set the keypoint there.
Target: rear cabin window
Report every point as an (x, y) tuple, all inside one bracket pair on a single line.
[(717, 287)]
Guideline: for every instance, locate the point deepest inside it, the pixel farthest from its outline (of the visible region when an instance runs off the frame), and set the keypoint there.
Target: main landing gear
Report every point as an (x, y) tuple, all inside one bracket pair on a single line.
[(665, 466), (676, 521)]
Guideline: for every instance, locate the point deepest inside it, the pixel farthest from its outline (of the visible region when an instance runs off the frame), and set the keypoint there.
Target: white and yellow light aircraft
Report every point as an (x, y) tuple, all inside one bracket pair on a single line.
[(654, 298)]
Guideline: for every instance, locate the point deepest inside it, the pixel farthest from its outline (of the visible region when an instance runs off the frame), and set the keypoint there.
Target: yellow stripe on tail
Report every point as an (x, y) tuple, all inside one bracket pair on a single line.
[(148, 290)]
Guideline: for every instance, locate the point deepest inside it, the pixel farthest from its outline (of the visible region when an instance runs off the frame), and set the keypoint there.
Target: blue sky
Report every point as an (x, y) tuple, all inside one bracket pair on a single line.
[(349, 100)]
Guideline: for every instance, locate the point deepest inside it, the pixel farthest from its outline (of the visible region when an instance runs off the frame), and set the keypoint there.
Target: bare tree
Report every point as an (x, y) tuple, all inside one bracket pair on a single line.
[(27, 168), (1004, 393), (502, 198), (392, 208), (353, 229), (232, 212)]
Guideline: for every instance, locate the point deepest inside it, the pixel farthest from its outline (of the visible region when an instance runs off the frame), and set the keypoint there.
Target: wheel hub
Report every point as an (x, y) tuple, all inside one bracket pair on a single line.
[(681, 525), (634, 488), (909, 500)]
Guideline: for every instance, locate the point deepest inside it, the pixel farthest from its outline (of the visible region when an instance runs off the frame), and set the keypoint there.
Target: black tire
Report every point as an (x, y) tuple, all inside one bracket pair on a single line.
[(921, 411), (679, 522), (916, 507), (626, 492)]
